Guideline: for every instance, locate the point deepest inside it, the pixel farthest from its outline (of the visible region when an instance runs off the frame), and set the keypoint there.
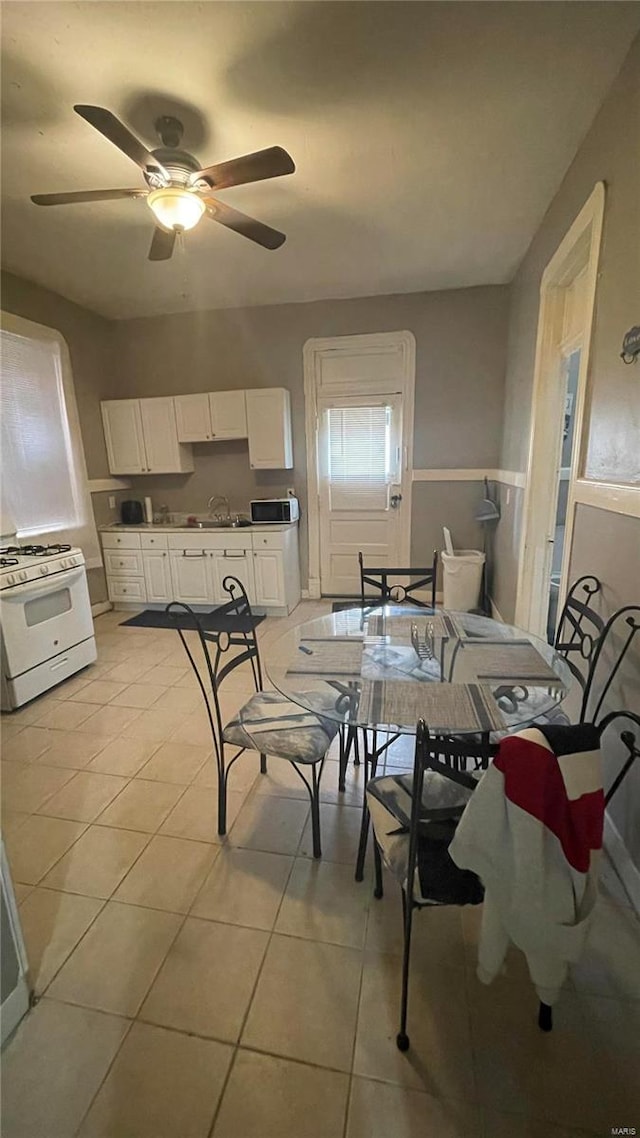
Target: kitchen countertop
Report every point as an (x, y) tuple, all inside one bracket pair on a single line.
[(118, 527)]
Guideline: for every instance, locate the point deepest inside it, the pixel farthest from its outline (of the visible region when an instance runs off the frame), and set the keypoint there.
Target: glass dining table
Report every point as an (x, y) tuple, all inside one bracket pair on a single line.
[(381, 670), (389, 667)]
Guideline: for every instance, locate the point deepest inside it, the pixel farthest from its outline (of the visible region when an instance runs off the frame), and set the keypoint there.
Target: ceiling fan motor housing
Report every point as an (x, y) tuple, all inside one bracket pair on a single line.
[(178, 163)]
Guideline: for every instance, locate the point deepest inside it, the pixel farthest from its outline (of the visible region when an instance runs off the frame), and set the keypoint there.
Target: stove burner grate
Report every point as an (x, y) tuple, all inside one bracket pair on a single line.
[(8, 549), (42, 550)]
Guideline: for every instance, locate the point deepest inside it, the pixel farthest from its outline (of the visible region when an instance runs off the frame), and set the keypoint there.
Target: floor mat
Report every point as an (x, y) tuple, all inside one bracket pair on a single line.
[(213, 621)]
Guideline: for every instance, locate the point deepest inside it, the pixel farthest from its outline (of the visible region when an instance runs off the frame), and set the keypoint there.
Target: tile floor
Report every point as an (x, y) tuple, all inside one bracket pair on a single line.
[(192, 987)]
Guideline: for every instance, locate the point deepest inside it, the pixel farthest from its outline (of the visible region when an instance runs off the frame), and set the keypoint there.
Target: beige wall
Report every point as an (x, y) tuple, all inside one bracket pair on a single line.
[(460, 337), (89, 339), (460, 361), (604, 543), (608, 546), (609, 153)]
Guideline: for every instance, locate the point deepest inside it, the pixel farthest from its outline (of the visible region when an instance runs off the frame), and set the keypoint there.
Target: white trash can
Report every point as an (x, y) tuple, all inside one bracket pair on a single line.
[(462, 579)]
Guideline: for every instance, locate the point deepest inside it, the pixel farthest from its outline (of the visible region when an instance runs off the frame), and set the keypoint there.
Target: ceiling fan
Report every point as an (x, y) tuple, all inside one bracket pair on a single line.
[(179, 192)]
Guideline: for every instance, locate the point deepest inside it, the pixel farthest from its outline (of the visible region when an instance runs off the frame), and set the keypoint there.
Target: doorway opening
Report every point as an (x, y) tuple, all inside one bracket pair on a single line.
[(570, 374), (556, 458)]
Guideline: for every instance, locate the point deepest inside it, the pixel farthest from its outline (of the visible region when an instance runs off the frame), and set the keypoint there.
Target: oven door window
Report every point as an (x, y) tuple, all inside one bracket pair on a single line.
[(40, 609)]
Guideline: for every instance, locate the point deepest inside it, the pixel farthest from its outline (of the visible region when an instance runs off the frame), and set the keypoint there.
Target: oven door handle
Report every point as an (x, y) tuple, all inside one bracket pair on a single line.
[(43, 585)]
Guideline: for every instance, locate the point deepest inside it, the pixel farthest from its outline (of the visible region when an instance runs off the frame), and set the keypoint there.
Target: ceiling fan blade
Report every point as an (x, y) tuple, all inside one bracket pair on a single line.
[(241, 223), (162, 244), (121, 136), (270, 163), (86, 196)]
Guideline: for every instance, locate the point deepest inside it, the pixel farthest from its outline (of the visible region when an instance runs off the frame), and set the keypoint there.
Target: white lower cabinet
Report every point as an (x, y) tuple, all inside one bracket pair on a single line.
[(190, 576), (269, 578), (232, 563), (157, 576), (158, 567), (127, 589)]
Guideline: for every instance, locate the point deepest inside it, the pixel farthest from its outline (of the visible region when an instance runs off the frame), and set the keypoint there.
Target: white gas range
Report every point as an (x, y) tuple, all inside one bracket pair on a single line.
[(45, 619)]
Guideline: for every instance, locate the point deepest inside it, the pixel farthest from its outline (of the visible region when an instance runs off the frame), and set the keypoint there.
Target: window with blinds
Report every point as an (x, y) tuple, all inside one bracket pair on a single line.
[(44, 487), (359, 457)]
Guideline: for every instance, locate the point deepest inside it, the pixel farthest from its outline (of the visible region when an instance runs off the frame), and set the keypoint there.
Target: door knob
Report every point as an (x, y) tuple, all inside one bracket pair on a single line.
[(395, 500)]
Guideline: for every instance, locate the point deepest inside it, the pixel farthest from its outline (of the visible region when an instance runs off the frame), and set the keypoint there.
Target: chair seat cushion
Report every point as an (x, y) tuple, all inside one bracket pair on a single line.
[(438, 881), (273, 725)]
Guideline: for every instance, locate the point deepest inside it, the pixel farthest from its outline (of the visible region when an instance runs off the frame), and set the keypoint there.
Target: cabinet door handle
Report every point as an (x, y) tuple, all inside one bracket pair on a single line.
[(189, 553)]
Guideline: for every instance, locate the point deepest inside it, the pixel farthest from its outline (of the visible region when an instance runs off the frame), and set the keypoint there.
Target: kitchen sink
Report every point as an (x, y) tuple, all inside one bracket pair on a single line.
[(210, 523)]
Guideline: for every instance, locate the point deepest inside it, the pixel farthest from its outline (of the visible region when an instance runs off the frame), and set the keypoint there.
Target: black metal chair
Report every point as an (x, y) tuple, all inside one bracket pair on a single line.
[(607, 660), (414, 818), (378, 578), (268, 723), (579, 630)]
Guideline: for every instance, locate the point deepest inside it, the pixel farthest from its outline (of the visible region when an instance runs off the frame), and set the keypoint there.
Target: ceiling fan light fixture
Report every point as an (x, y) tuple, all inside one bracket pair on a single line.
[(176, 208)]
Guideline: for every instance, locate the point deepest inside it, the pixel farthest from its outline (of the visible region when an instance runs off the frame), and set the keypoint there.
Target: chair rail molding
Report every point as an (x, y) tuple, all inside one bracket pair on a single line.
[(618, 498), (470, 474)]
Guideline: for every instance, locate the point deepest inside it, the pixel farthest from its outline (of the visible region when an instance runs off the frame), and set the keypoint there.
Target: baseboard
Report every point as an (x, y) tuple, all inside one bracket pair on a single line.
[(495, 612), (313, 591), (627, 871), (100, 607)]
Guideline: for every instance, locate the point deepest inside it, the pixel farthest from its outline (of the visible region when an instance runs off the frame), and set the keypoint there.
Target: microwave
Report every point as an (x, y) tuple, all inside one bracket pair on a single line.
[(274, 510)]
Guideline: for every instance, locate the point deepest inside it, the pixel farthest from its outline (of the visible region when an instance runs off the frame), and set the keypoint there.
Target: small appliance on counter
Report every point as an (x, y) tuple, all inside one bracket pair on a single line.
[(274, 511), (131, 513)]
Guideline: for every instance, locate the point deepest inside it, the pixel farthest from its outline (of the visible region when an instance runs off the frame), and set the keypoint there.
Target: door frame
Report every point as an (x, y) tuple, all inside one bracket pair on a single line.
[(373, 343), (577, 254)]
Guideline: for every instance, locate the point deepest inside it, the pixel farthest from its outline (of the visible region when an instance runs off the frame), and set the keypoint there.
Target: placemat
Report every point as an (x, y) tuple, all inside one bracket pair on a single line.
[(398, 628), (507, 660), (446, 708), (327, 658)]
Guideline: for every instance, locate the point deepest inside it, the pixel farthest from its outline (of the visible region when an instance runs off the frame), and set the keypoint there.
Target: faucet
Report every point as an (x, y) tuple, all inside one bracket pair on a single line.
[(219, 500)]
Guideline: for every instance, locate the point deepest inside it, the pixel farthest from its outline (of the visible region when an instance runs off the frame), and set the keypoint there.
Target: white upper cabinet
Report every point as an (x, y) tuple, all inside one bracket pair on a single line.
[(151, 436), (165, 455), (228, 414), (193, 417), (269, 429), (142, 437), (122, 424), (211, 415)]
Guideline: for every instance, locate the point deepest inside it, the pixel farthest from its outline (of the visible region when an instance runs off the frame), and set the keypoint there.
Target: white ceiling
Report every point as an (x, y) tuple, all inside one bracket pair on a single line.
[(429, 139)]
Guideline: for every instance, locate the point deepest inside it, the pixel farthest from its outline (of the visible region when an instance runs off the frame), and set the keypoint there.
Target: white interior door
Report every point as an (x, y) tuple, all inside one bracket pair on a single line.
[(360, 483)]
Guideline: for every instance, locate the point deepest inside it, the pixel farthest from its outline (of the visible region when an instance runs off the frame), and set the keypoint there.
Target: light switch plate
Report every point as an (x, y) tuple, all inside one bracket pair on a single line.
[(112, 501)]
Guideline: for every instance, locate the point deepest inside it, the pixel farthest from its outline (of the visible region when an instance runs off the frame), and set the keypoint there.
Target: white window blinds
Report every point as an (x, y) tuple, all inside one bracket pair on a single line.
[(359, 460), (43, 471)]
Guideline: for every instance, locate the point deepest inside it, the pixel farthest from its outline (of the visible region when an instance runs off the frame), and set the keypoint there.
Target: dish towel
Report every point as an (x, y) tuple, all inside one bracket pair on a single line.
[(532, 831)]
